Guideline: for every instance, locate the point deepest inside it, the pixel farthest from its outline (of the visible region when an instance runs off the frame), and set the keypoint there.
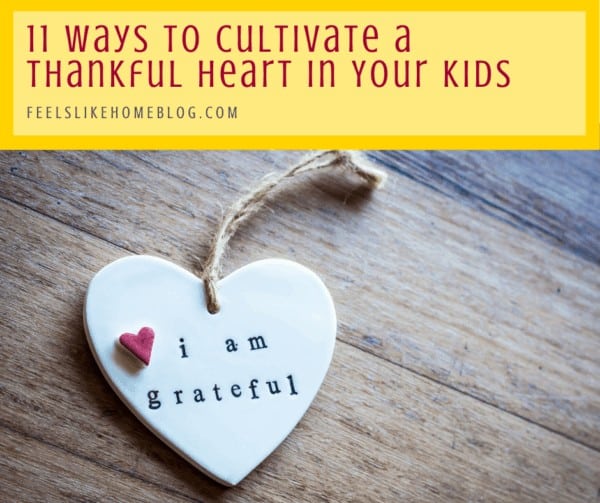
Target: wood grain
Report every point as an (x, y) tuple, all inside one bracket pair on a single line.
[(468, 357), (548, 196)]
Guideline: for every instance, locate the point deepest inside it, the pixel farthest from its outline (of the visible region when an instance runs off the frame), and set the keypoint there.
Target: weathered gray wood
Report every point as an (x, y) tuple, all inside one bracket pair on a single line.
[(441, 308), (552, 195)]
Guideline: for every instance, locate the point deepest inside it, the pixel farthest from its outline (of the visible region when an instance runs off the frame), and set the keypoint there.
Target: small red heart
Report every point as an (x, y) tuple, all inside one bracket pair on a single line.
[(139, 345)]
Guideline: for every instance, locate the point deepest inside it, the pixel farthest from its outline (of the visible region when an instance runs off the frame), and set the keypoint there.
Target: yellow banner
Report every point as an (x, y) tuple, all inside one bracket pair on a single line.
[(303, 78)]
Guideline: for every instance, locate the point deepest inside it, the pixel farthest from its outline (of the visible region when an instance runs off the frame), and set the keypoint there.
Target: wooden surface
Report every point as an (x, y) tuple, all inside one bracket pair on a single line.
[(467, 366)]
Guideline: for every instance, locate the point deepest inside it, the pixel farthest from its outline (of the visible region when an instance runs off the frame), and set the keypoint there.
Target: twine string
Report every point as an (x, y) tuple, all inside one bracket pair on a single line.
[(255, 199)]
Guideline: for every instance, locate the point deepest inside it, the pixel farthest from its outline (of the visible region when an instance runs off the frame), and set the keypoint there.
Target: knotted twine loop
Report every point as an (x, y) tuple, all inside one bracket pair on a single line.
[(253, 200)]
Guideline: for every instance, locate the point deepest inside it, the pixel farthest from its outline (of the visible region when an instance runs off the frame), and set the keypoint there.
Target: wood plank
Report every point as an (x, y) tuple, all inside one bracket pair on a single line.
[(35, 470), (549, 195), (376, 432), (419, 279)]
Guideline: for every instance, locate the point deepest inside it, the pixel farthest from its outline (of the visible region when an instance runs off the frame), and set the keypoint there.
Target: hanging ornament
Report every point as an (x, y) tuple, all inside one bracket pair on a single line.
[(221, 370)]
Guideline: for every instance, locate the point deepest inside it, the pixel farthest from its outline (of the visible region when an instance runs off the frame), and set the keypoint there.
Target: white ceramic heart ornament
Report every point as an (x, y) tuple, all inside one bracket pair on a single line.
[(223, 390)]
